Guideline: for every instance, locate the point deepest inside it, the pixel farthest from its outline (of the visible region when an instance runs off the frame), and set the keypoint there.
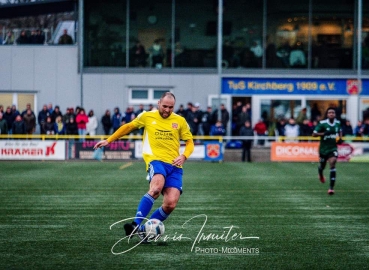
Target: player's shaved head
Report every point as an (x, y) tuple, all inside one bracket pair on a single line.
[(168, 94)]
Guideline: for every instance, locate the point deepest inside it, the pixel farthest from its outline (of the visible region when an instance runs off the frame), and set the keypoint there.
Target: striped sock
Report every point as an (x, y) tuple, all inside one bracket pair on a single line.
[(159, 214), (144, 208)]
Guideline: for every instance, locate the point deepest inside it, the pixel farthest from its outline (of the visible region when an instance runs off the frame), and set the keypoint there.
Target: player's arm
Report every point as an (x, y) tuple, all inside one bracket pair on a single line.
[(318, 131), (123, 130), (317, 134), (190, 146)]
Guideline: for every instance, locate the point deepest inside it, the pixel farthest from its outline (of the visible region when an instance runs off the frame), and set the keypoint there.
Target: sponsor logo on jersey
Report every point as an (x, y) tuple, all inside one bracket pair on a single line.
[(331, 136), (163, 135)]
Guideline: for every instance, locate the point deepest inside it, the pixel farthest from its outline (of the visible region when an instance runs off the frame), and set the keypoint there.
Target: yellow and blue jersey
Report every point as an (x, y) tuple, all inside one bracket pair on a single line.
[(161, 138)]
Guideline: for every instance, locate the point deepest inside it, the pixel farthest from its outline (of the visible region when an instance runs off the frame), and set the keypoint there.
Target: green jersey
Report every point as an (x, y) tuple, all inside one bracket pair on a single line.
[(328, 142)]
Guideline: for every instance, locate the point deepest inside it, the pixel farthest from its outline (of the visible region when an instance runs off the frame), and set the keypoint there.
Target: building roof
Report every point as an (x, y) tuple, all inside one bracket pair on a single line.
[(9, 11)]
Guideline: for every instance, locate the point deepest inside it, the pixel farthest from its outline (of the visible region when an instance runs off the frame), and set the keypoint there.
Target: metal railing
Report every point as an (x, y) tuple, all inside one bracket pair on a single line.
[(47, 35)]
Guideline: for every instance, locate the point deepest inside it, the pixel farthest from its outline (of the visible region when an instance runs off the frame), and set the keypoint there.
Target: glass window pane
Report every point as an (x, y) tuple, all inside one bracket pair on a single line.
[(23, 100), (151, 26), (365, 36), (140, 94), (364, 109), (316, 108), (242, 34), (333, 34), (272, 111), (105, 33), (6, 100), (287, 34), (159, 93), (196, 34)]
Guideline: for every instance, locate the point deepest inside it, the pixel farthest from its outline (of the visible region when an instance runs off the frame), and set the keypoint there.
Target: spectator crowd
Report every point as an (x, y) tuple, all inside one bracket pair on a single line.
[(75, 121), (50, 120)]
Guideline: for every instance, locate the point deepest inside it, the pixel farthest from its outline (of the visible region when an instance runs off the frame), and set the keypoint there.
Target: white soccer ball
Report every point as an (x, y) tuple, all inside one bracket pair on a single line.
[(153, 228)]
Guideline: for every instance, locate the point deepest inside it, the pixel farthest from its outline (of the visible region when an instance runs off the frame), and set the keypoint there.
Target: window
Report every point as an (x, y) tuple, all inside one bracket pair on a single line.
[(20, 100), (105, 33), (140, 94), (159, 93), (146, 96)]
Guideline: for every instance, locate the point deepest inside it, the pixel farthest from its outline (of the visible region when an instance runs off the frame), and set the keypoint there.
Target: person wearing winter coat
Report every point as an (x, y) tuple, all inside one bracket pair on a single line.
[(106, 122), (246, 130), (49, 126), (59, 126), (18, 126), (29, 121), (3, 125), (71, 128), (92, 124), (82, 121), (116, 119)]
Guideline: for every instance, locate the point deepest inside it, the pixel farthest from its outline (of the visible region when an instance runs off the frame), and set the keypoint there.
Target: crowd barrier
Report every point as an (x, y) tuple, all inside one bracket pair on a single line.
[(65, 147), (209, 148)]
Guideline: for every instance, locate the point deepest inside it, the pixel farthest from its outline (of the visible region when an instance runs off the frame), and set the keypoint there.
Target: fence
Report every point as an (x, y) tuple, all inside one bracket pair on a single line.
[(210, 148)]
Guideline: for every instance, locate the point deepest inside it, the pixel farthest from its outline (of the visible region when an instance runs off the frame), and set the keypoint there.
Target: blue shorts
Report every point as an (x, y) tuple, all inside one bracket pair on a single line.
[(172, 174)]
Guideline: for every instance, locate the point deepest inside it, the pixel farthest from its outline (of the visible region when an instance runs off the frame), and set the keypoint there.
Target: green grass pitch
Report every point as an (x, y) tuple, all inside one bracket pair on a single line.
[(60, 215)]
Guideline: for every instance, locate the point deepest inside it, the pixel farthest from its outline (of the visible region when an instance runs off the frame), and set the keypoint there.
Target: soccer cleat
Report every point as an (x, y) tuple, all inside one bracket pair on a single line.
[(322, 178), (141, 232), (330, 191), (130, 229)]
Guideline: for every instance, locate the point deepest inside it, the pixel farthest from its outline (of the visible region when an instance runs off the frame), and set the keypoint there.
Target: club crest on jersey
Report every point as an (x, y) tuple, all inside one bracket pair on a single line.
[(213, 150), (174, 125)]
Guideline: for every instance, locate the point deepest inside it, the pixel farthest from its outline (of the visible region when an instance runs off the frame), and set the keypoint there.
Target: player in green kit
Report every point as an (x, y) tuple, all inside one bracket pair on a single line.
[(330, 133)]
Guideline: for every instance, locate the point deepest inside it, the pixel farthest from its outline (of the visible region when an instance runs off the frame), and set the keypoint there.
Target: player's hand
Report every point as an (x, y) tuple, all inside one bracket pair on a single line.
[(101, 144), (339, 141), (179, 160)]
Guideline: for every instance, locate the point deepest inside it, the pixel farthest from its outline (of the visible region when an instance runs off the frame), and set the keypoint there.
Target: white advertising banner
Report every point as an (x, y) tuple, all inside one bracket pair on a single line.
[(32, 150), (198, 153)]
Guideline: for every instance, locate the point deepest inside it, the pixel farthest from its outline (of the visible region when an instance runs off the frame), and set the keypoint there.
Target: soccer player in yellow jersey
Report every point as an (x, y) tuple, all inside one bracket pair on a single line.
[(163, 131)]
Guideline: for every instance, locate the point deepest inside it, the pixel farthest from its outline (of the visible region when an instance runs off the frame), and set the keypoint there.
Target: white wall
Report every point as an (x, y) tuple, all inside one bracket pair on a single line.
[(49, 70), (52, 72)]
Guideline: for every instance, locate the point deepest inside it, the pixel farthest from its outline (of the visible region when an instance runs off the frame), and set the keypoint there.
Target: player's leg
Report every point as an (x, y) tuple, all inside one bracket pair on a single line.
[(322, 164), (244, 149), (332, 175), (157, 175), (248, 151), (171, 192), (171, 198), (147, 201)]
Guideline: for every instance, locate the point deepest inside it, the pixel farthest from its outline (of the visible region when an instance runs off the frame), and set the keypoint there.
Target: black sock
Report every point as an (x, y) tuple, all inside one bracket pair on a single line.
[(333, 177), (321, 168), (320, 171)]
